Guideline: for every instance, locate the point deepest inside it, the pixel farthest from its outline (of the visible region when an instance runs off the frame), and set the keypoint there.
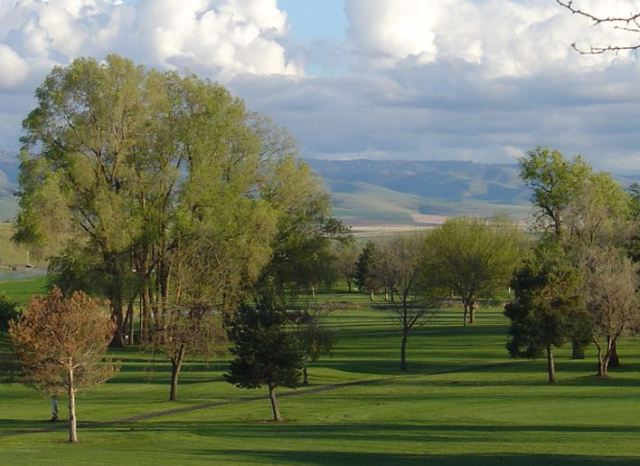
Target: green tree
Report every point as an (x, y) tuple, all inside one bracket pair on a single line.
[(8, 312), (127, 171), (302, 256), (473, 258), (548, 308), (364, 278), (576, 208), (265, 352), (346, 257)]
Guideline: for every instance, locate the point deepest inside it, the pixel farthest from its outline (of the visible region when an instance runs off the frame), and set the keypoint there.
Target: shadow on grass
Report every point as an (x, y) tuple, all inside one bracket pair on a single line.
[(368, 459)]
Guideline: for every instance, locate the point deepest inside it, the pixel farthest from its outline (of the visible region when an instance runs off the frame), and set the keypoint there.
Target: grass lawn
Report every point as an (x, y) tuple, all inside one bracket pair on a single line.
[(463, 402)]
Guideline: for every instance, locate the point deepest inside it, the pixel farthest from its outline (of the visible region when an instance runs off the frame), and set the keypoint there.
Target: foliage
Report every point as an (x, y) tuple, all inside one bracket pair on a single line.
[(265, 353), (60, 343), (577, 208), (364, 268), (611, 295), (315, 338), (548, 308), (147, 185), (8, 312), (471, 257), (192, 330), (345, 260)]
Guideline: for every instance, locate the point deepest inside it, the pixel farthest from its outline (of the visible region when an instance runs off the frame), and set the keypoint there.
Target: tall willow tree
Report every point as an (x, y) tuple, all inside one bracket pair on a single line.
[(159, 189)]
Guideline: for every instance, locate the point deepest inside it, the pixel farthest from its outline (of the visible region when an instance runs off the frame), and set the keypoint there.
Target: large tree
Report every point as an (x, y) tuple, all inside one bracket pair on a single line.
[(60, 343), (471, 257), (126, 171), (575, 207)]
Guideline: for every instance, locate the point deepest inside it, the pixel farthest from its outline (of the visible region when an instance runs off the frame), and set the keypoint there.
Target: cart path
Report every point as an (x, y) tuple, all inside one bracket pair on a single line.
[(62, 426)]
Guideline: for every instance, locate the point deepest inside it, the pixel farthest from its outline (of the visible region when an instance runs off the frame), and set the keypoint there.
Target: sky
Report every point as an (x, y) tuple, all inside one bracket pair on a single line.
[(480, 80)]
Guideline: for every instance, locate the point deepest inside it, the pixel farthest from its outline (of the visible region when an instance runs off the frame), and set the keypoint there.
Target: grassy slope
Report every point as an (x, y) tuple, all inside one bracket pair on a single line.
[(463, 402)]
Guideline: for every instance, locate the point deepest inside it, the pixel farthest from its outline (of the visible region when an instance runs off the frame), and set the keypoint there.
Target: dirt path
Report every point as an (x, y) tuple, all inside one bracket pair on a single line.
[(203, 406)]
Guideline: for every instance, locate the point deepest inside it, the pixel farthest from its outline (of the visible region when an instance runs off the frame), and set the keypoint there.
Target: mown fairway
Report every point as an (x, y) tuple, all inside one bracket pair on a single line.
[(463, 401)]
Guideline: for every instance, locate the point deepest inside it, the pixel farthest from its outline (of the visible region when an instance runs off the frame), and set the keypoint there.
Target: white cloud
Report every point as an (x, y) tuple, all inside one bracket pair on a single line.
[(13, 68), (221, 37), (507, 37)]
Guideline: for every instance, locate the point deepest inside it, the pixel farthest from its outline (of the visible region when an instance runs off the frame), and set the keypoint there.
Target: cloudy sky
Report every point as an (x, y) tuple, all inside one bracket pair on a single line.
[(480, 80)]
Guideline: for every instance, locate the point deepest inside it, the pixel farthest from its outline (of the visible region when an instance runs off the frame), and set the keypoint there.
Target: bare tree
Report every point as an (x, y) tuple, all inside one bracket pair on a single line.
[(611, 283), (315, 338), (398, 268), (60, 343), (188, 330), (627, 22)]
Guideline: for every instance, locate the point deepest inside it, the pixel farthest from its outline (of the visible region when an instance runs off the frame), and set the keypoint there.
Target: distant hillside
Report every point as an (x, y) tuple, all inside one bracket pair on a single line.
[(8, 183), (386, 192), (413, 192)]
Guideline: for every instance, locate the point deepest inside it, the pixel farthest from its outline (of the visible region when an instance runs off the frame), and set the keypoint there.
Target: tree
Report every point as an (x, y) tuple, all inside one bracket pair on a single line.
[(8, 312), (188, 331), (60, 343), (301, 257), (547, 307), (266, 354), (575, 207), (315, 338), (125, 170), (629, 23), (364, 266), (554, 182), (611, 284), (473, 258), (346, 257), (403, 258)]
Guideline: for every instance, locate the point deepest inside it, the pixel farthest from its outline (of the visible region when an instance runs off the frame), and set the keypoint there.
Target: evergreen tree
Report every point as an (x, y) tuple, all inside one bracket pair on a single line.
[(266, 354)]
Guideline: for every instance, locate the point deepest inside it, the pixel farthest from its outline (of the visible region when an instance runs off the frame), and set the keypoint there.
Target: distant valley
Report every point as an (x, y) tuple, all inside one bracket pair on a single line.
[(386, 192)]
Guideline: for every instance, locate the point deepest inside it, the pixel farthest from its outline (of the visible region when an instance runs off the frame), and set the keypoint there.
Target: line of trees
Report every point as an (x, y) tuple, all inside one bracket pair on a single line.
[(580, 281), (162, 194)]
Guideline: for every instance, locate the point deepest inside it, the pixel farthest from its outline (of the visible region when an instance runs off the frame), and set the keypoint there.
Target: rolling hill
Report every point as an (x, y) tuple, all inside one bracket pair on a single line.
[(386, 192), (366, 192)]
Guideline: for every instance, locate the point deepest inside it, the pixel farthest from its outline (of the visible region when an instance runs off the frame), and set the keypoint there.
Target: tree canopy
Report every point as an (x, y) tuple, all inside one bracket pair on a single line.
[(148, 182)]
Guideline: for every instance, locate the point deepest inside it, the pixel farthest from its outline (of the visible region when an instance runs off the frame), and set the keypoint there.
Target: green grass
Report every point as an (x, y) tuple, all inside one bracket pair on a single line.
[(22, 290), (463, 401)]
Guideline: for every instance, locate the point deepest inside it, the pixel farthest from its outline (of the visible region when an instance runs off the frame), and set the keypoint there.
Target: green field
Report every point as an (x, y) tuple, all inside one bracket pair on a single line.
[(463, 401)]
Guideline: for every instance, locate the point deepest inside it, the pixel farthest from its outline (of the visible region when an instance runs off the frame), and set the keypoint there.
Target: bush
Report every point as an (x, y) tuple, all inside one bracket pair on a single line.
[(8, 312)]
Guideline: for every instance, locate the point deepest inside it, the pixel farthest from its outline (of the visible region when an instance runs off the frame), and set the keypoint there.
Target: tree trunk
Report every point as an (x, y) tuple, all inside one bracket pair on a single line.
[(466, 312), (275, 407), (349, 285), (131, 327), (614, 360), (403, 351), (305, 379), (176, 365), (551, 367), (603, 362), (371, 296), (73, 434), (472, 313), (577, 350), (116, 312)]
